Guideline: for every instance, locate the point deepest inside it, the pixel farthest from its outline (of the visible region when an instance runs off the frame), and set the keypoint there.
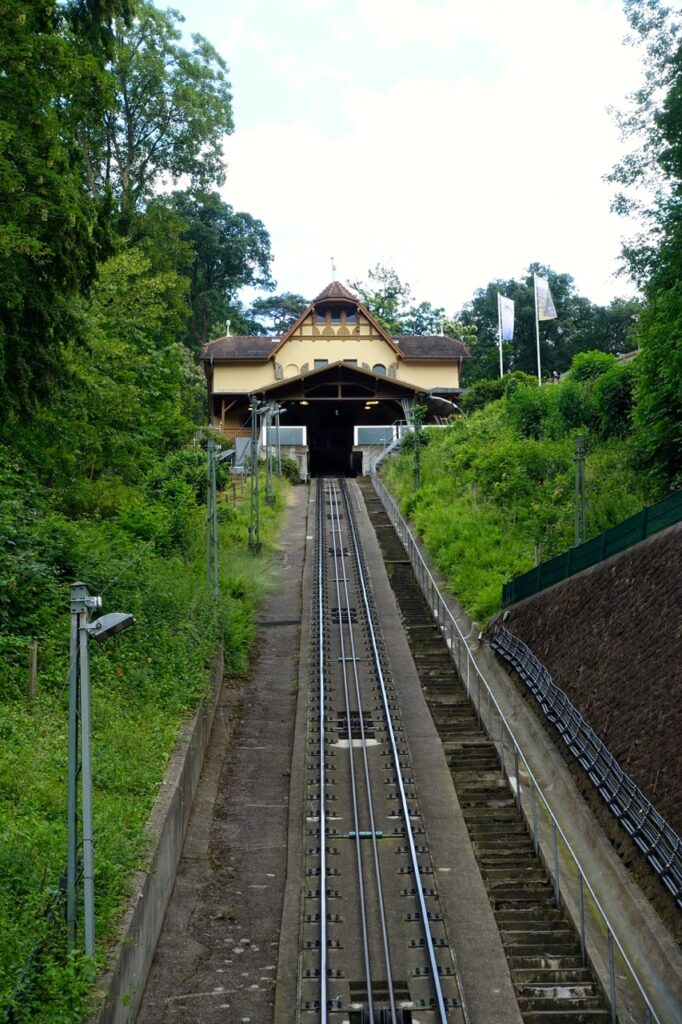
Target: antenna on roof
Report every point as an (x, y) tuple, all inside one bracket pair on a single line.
[(333, 269), (227, 328)]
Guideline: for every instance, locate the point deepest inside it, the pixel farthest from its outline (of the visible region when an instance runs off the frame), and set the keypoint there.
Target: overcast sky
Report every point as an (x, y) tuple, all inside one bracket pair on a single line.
[(455, 141)]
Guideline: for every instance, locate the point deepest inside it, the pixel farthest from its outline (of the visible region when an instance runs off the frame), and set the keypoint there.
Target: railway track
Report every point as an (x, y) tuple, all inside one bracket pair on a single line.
[(375, 946)]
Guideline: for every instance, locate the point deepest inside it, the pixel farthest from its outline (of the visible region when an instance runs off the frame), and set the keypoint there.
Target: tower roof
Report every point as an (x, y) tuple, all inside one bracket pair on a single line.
[(335, 290)]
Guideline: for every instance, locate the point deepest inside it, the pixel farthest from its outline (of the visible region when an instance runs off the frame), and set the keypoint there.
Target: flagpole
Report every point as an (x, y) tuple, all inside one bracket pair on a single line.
[(499, 334), (537, 327)]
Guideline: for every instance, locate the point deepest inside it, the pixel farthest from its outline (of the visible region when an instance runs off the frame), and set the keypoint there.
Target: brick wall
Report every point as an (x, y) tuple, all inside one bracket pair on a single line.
[(612, 639)]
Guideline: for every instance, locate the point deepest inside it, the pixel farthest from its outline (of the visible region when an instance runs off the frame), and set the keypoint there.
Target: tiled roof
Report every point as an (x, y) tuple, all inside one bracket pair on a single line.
[(430, 346), (336, 290), (235, 347)]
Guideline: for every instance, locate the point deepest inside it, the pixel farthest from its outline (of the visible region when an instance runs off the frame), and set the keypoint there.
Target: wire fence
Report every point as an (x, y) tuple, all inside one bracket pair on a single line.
[(619, 538), (599, 943), (657, 840)]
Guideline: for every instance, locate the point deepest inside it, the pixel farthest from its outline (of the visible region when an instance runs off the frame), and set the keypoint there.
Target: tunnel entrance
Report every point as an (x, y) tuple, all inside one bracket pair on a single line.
[(330, 438)]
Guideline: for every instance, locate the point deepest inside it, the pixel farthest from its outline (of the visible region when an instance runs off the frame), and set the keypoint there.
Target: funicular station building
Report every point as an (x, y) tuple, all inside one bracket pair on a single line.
[(345, 387)]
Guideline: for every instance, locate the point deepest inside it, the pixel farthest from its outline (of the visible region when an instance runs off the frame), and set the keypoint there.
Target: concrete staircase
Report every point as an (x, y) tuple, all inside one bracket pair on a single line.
[(542, 947)]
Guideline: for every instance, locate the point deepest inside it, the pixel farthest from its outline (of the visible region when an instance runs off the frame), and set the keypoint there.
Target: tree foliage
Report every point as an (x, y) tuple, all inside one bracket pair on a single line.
[(580, 326), (391, 303), (169, 110), (651, 182), (49, 234), (278, 312), (231, 250)]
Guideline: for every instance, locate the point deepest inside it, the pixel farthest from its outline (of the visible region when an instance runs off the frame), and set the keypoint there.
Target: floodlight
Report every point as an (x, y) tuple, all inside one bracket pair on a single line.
[(109, 625)]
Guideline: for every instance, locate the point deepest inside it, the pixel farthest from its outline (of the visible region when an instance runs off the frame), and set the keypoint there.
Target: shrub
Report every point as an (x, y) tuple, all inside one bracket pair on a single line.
[(587, 365)]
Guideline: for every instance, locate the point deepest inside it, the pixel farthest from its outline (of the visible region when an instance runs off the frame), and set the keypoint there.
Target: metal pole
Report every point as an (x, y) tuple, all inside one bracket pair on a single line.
[(580, 517), (581, 911), (86, 788), (209, 511), (499, 335), (583, 497), (537, 328), (269, 491), (72, 784), (557, 882), (277, 442), (214, 523), (612, 978), (534, 810), (254, 521)]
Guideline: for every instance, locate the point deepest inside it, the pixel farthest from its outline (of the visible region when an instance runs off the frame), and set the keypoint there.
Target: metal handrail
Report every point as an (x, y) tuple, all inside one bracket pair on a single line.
[(454, 637), (648, 829)]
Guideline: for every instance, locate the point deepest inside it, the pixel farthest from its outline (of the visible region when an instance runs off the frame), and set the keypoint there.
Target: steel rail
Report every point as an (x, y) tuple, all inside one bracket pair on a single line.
[(323, 809), (337, 546), (396, 757), (368, 781)]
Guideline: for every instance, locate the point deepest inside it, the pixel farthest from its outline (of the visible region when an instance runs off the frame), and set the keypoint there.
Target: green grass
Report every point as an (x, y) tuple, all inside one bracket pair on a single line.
[(145, 684), (499, 485)]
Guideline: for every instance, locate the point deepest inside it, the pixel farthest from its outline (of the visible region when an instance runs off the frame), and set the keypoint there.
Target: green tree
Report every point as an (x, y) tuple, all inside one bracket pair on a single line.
[(230, 250), (278, 311), (654, 258), (169, 110), (580, 326), (391, 303), (49, 233), (385, 296)]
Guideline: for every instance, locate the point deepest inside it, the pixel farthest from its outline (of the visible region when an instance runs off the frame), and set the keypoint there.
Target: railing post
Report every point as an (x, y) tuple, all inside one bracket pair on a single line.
[(478, 698), (612, 977), (534, 814), (518, 777), (502, 745), (581, 911), (557, 882)]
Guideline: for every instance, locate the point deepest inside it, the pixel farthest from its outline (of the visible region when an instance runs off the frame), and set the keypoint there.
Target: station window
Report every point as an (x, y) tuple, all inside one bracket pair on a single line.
[(319, 363), (379, 368), (351, 362)]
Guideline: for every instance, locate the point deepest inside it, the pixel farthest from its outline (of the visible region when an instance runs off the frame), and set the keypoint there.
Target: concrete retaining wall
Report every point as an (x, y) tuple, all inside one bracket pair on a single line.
[(121, 988)]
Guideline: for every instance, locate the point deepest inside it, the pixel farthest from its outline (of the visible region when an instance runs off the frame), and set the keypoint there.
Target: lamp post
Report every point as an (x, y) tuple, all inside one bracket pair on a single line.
[(82, 602)]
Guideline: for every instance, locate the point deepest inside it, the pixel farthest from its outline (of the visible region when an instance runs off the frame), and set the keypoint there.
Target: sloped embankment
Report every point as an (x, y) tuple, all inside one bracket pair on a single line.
[(611, 639)]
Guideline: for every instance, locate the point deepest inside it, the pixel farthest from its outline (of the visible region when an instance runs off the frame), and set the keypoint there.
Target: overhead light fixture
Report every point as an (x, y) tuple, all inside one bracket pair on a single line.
[(304, 402)]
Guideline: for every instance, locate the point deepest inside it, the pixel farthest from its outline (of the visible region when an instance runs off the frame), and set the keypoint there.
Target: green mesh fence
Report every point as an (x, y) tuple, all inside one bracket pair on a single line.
[(650, 520)]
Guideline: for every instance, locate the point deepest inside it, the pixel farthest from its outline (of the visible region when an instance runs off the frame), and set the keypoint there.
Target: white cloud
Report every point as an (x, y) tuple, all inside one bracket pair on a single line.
[(451, 179)]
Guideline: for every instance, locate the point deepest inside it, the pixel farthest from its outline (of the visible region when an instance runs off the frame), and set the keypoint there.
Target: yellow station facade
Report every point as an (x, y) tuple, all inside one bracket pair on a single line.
[(344, 384)]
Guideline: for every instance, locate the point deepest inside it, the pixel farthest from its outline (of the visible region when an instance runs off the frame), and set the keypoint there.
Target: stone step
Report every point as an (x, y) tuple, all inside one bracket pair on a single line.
[(541, 975), (552, 947), (566, 1016), (544, 962), (530, 871), (506, 918), (532, 935), (480, 829), (559, 991)]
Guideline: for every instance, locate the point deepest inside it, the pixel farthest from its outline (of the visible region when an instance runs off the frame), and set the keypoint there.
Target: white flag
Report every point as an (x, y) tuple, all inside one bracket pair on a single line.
[(506, 309), (543, 299)]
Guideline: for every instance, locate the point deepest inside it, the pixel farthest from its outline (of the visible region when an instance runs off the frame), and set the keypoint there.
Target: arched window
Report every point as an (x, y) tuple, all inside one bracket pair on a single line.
[(291, 370), (379, 368)]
